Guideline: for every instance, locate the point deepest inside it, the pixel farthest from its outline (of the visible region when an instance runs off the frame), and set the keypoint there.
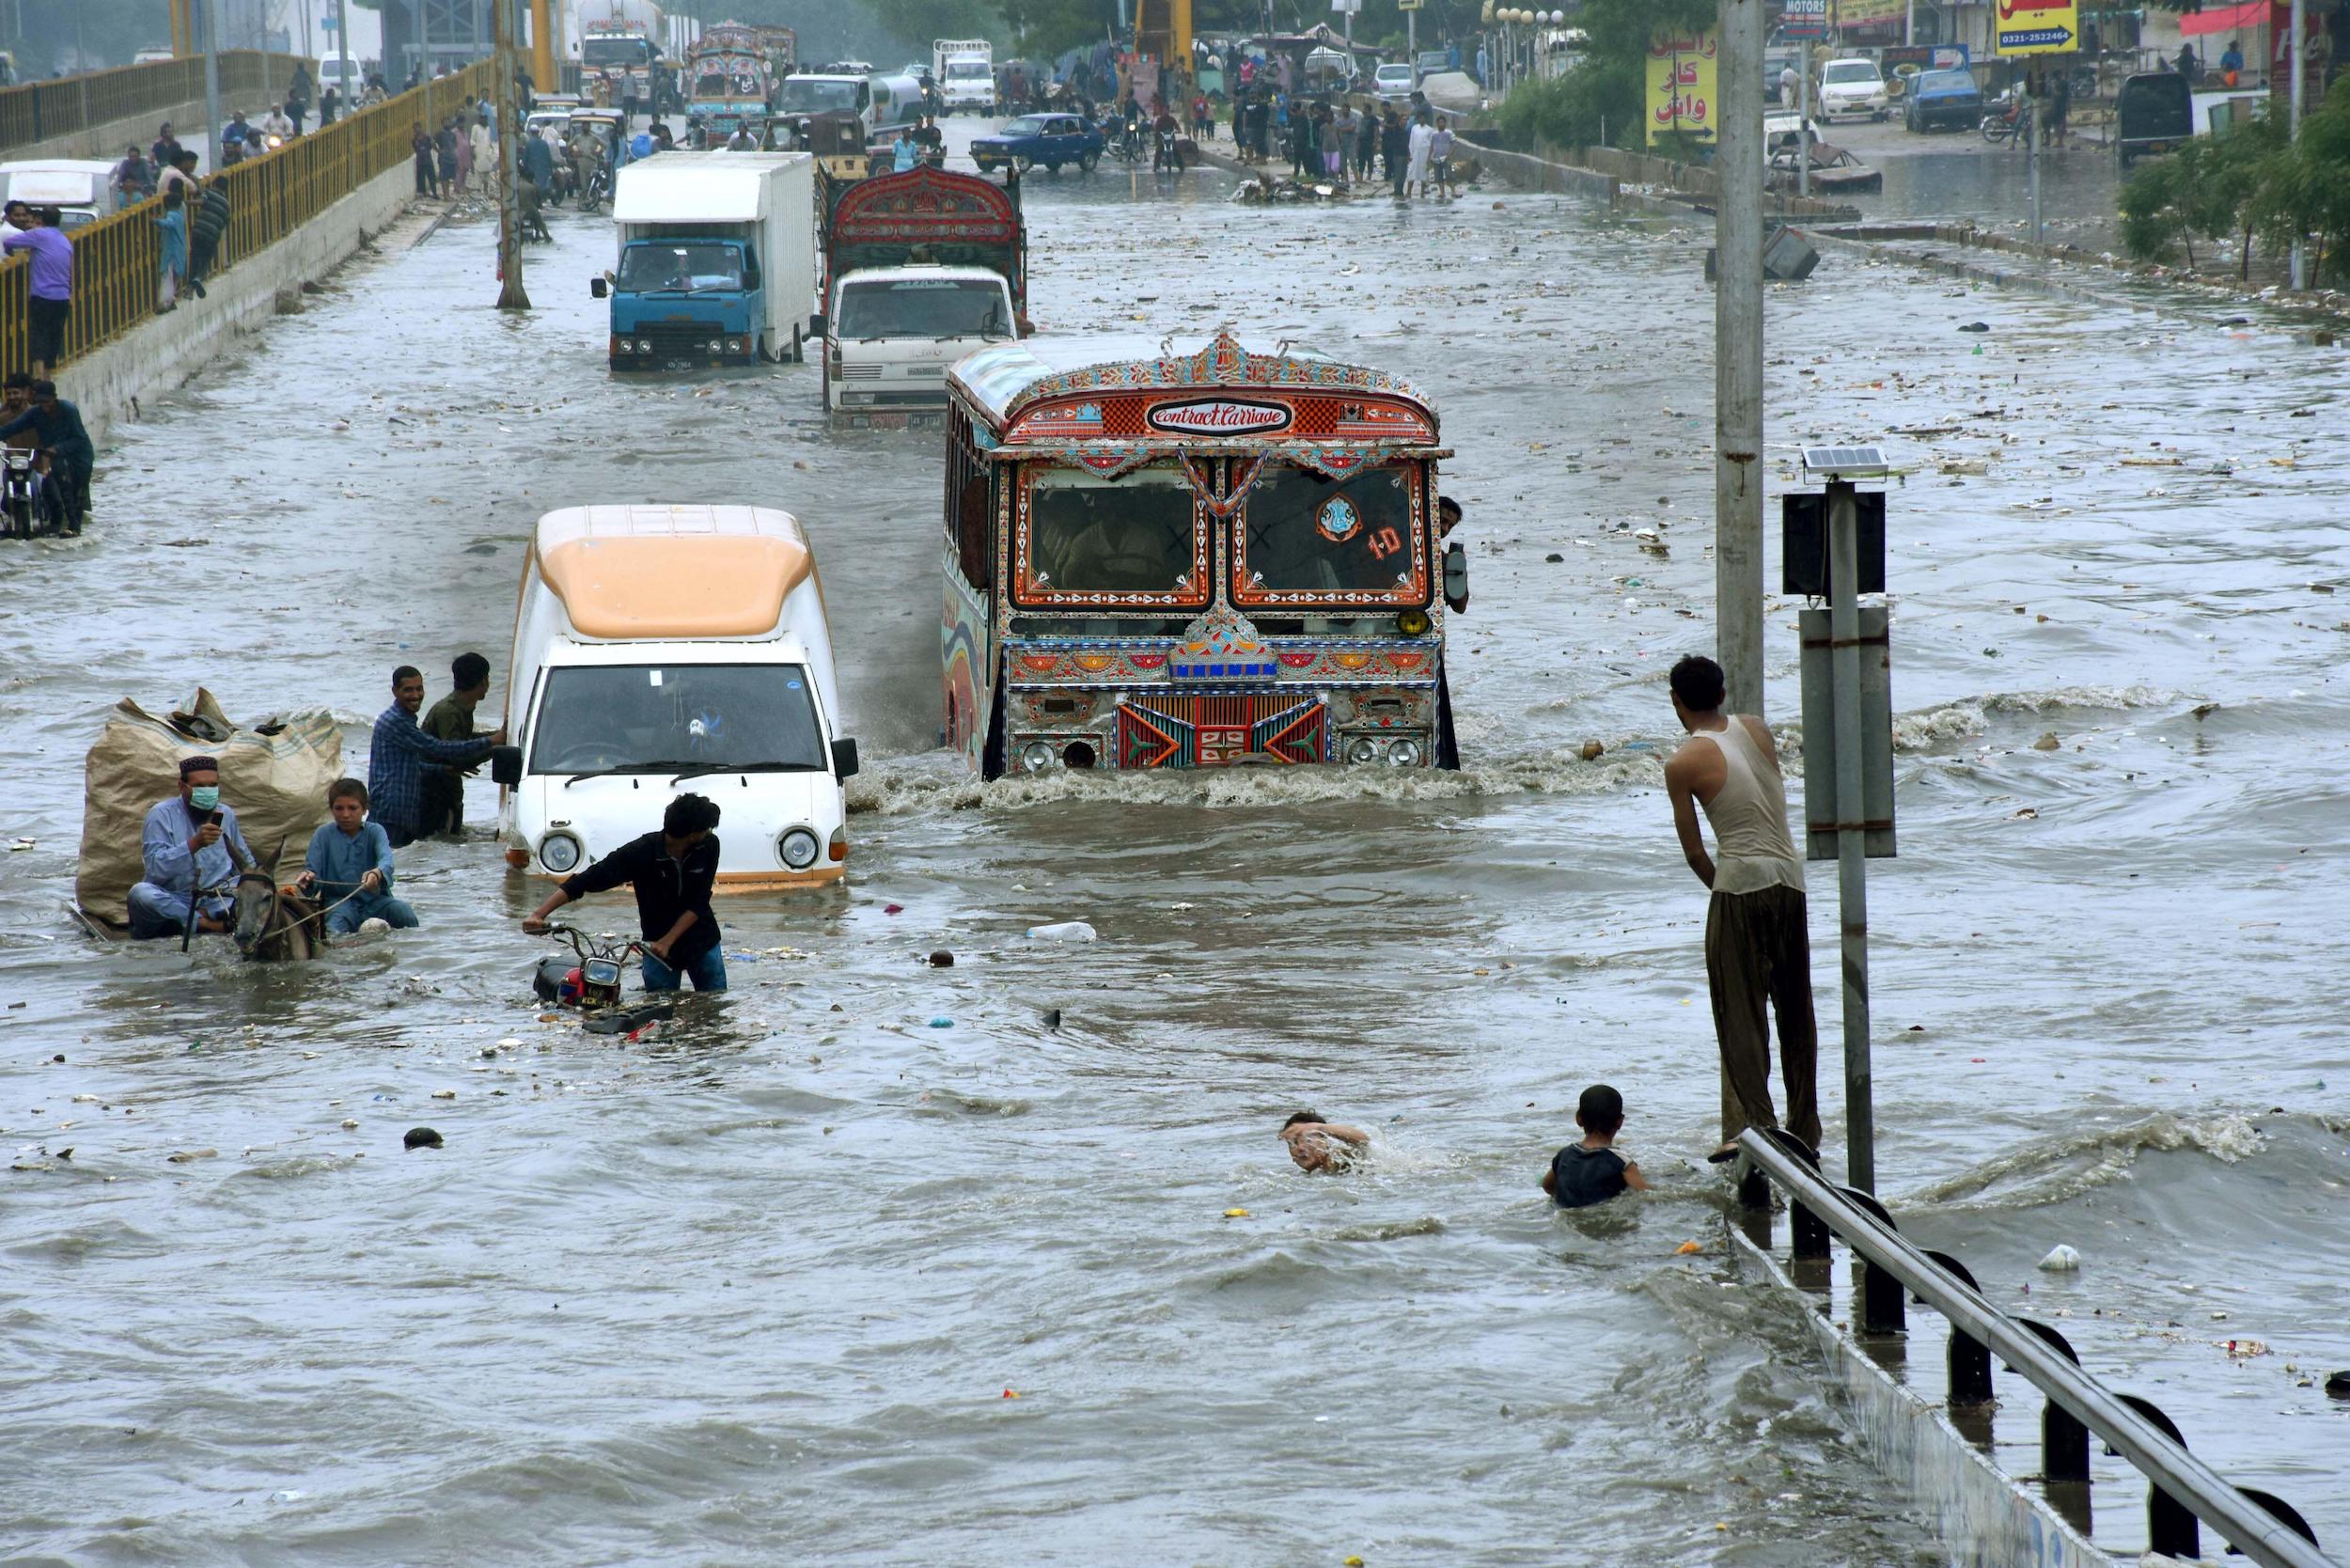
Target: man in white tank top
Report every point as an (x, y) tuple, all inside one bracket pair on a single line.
[(1757, 950)]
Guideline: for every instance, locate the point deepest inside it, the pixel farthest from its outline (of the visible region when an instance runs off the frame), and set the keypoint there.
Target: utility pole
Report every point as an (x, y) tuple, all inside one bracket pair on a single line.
[(545, 77), (212, 87), (1738, 357), (1802, 120), (507, 143), (2292, 129)]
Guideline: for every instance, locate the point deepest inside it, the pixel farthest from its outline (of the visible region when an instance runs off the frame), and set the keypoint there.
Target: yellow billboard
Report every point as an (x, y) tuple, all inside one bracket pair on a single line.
[(1681, 79), (2035, 26)]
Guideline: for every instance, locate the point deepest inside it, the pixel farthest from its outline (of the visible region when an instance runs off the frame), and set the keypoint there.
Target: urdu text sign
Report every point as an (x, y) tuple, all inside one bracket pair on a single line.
[(2036, 26), (1681, 79)]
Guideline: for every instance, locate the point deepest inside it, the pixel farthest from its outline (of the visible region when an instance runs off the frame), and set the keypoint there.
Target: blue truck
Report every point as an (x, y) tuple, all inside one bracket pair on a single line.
[(717, 262)]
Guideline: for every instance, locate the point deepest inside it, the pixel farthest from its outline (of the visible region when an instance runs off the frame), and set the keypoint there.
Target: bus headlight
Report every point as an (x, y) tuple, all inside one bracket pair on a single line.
[(1403, 754), (1413, 623), (1364, 750), (798, 848), (559, 853), (1036, 757)]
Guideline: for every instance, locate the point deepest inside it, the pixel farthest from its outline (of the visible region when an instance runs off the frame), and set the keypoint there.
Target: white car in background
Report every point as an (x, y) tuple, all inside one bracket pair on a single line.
[(1394, 84), (1852, 89)]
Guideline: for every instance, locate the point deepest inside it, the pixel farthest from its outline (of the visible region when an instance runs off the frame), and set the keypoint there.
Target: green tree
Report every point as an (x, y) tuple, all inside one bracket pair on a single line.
[(1605, 98)]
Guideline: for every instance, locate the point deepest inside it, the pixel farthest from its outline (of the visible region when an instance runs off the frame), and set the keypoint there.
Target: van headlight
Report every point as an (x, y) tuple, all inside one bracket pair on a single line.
[(1403, 754), (559, 853), (798, 848)]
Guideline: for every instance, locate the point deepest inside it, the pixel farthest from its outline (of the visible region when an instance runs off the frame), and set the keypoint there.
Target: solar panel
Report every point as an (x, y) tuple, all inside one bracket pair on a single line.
[(1852, 461)]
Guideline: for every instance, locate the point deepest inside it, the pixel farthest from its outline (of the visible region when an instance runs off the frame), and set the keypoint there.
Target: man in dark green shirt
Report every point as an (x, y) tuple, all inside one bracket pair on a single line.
[(451, 719)]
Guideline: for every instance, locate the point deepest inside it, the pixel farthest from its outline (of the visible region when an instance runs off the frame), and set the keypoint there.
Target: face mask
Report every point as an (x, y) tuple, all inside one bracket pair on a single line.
[(204, 797)]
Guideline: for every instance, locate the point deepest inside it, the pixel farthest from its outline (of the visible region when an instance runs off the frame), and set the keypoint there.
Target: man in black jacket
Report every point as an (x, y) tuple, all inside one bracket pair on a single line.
[(208, 221), (673, 871)]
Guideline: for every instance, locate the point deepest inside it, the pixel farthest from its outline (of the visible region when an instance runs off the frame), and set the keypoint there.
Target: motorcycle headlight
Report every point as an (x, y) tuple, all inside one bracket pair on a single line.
[(1403, 754), (559, 853), (1036, 757), (1364, 750), (798, 848)]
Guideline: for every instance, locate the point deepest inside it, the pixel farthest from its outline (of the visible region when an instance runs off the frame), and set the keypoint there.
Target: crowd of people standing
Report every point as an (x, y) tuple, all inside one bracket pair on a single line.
[(1324, 141)]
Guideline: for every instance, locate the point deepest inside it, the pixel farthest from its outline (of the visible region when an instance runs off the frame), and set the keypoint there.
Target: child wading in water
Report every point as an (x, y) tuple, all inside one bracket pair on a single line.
[(1592, 1172)]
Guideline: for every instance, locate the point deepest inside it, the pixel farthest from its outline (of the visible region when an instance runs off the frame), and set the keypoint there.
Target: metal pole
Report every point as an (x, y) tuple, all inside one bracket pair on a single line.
[(347, 100), (2293, 128), (211, 87), (1852, 865), (1411, 39), (507, 147), (1802, 120), (1738, 358), (1909, 27), (2032, 144)]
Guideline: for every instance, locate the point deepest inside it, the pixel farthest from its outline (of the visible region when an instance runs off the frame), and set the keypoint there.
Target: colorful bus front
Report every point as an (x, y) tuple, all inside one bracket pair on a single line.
[(1161, 560)]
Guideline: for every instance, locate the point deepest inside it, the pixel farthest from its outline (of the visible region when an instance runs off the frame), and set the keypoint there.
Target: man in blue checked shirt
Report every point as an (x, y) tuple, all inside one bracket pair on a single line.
[(396, 756)]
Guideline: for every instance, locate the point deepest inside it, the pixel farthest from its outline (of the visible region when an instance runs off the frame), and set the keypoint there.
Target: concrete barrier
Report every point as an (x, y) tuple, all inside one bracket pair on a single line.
[(162, 353), (1985, 1518), (107, 141)]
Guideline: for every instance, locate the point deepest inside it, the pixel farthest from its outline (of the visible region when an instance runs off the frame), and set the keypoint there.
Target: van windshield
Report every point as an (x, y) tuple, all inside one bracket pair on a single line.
[(677, 718), (967, 71), (935, 307)]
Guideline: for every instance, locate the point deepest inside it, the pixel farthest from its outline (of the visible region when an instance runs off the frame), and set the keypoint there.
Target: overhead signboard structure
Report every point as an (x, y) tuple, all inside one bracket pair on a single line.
[(2036, 26)]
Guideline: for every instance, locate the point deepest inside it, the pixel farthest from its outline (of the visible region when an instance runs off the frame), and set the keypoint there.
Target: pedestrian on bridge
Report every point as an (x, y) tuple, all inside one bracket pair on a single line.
[(42, 233), (298, 96), (427, 179), (1758, 947), (172, 263), (329, 102), (208, 221)]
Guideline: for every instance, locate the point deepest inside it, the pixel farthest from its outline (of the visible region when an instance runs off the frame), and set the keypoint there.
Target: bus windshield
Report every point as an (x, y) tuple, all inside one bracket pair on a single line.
[(600, 53), (1086, 534), (935, 307), (1304, 533), (806, 95), (677, 718)]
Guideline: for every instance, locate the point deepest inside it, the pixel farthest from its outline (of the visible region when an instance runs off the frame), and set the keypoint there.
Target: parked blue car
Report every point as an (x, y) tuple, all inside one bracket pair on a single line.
[(1943, 98), (1051, 140)]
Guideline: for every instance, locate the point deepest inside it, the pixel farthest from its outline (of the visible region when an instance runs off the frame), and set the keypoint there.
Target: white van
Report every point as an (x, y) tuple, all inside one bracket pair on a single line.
[(663, 650), (81, 189)]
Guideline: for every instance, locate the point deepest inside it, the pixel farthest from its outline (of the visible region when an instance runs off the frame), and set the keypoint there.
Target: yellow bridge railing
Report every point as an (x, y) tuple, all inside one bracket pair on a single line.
[(38, 110), (117, 260)]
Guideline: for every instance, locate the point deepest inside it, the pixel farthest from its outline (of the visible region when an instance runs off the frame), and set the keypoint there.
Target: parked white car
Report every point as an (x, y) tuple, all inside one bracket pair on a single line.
[(1852, 89), (1393, 83)]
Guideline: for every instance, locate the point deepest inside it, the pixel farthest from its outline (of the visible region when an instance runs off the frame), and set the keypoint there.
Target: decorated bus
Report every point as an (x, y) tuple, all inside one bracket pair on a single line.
[(1165, 560)]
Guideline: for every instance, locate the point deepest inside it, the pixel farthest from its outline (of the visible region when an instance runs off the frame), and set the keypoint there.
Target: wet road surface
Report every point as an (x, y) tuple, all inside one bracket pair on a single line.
[(761, 1286)]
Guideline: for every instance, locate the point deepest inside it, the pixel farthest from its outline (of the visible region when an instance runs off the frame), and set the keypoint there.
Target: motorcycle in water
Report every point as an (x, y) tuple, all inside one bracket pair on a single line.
[(1164, 154), (2004, 124), (591, 982), (1126, 139), (34, 502)]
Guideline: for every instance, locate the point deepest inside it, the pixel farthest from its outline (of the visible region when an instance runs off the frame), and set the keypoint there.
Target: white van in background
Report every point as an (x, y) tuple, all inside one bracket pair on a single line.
[(665, 651)]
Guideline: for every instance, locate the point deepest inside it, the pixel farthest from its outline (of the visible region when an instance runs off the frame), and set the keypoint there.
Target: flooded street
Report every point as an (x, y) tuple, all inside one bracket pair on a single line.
[(763, 1288)]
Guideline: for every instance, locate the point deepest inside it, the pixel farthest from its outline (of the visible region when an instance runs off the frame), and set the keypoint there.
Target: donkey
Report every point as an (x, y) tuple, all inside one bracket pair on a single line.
[(272, 925)]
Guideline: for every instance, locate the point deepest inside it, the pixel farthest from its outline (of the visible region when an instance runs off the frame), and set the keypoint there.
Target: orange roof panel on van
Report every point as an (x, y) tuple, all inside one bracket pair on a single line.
[(672, 571)]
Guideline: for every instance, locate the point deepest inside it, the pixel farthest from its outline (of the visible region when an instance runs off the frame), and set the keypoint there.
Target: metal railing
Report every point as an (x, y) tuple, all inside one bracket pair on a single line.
[(2184, 1489), (37, 111), (117, 260)]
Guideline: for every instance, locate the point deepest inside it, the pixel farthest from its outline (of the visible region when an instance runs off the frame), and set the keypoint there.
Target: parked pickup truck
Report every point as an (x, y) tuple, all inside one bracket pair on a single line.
[(1051, 140)]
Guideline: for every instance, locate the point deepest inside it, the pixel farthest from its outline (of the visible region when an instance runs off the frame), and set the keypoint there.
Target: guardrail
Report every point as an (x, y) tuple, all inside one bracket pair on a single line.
[(37, 111), (2184, 1489), (117, 260)]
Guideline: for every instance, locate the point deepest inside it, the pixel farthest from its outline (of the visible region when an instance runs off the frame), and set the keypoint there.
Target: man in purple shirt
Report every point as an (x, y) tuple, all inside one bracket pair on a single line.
[(53, 282)]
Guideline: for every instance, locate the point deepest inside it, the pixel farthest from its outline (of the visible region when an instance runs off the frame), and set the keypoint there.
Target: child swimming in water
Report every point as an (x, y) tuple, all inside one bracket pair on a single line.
[(1309, 1139), (1592, 1172)]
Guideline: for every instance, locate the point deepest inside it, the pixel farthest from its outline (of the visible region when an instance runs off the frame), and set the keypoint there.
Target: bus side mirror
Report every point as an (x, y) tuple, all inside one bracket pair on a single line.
[(506, 765), (844, 759), (1456, 578), (597, 288)]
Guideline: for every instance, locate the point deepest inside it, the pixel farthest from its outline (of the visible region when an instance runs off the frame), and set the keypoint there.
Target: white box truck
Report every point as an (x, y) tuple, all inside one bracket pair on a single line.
[(965, 69), (717, 262)]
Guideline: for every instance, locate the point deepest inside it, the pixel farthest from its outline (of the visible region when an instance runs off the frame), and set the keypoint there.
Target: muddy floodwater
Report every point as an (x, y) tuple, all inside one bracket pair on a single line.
[(869, 1262)]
